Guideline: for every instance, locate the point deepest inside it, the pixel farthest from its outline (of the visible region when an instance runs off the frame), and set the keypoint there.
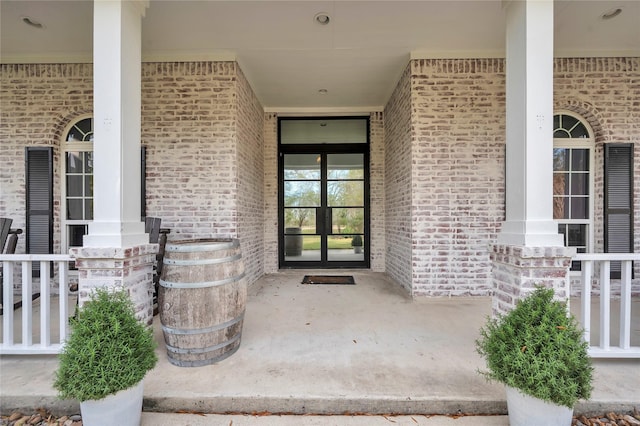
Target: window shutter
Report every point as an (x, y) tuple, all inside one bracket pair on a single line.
[(143, 182), (618, 201), (39, 197)]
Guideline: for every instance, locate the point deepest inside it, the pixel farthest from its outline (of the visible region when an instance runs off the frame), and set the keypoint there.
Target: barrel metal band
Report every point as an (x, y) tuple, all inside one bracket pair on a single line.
[(191, 331), (202, 247), (187, 262), (204, 284), (175, 350)]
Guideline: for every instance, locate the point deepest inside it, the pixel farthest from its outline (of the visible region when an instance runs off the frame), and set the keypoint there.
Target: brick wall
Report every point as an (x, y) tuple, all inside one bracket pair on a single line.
[(398, 183), (605, 91), (189, 128), (203, 126), (201, 122), (270, 193), (377, 191), (37, 103), (442, 156), (250, 177), (458, 111)]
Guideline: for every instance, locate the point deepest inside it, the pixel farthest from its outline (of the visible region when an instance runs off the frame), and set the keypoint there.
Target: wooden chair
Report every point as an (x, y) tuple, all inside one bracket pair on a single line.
[(8, 244), (157, 235)]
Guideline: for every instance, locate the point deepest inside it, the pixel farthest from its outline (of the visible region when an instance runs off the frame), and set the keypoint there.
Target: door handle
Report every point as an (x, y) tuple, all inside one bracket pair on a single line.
[(328, 220)]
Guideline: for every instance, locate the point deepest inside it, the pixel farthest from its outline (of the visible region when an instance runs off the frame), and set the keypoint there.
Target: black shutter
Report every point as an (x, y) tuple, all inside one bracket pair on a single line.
[(618, 201), (143, 182), (39, 197)]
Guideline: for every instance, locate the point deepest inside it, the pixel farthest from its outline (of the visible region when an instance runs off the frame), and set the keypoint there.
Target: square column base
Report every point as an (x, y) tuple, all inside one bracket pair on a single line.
[(129, 269), (517, 270)]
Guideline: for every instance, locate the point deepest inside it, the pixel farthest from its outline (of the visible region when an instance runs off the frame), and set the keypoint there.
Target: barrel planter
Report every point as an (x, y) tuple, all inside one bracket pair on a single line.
[(202, 300), (293, 242)]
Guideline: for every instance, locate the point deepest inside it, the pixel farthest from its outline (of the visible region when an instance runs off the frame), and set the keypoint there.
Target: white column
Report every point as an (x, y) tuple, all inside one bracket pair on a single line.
[(529, 151), (117, 28)]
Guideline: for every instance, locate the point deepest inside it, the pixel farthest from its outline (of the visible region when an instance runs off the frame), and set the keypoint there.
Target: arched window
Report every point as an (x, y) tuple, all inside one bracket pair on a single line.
[(77, 184), (573, 147)]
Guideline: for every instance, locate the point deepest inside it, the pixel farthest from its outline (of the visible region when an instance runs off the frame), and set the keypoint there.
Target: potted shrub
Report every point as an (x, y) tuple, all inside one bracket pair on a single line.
[(537, 350), (104, 360), (356, 243)]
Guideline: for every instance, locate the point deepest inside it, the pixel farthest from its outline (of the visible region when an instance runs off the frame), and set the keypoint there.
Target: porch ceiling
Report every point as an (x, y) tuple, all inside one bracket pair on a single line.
[(287, 56)]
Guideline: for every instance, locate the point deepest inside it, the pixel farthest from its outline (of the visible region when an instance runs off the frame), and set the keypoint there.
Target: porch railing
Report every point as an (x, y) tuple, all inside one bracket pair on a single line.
[(49, 342), (604, 349)]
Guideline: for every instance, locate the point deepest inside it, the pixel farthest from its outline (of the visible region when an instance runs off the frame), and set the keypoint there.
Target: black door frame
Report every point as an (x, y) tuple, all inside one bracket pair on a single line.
[(323, 149)]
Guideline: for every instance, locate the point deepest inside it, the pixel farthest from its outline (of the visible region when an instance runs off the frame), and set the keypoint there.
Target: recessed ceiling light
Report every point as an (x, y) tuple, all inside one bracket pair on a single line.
[(322, 18), (611, 13), (31, 22), (323, 91)]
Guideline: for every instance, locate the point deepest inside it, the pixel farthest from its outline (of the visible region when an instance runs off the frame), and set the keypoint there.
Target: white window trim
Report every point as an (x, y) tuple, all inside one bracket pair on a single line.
[(584, 143), (65, 147)]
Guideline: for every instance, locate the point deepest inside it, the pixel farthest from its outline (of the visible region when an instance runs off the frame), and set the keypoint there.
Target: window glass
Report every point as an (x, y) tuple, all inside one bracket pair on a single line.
[(302, 167), (567, 126), (78, 181), (572, 182), (323, 131), (580, 160)]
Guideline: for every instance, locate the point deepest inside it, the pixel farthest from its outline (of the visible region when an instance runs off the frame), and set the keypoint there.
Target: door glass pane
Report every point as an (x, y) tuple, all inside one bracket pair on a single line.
[(347, 221), (345, 248), (302, 167), (300, 221), (302, 193), (345, 193), (345, 166), (302, 248)]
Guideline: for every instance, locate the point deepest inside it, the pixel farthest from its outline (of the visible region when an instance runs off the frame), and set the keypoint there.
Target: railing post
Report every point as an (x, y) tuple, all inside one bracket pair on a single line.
[(7, 301), (605, 304), (27, 309), (587, 267), (28, 330), (63, 290), (45, 304), (625, 305)]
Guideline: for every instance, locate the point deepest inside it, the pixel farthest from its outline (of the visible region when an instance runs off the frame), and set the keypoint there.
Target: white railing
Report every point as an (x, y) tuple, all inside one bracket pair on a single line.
[(51, 337), (604, 348)]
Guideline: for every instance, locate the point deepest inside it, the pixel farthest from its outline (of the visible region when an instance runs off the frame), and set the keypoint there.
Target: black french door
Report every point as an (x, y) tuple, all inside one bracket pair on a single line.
[(324, 214)]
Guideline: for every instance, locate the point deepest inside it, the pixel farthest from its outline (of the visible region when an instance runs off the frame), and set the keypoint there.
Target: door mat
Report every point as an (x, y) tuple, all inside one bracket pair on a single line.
[(328, 279)]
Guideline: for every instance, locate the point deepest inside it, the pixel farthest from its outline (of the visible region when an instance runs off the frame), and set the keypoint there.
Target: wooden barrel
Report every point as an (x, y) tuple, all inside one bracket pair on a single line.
[(202, 300)]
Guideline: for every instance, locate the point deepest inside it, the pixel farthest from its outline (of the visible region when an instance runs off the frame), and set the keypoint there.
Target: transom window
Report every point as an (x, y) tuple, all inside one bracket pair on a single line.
[(573, 182), (77, 187)]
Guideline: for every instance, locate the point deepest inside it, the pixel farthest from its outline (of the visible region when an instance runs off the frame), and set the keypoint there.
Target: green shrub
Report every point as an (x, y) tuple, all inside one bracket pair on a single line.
[(108, 349), (538, 349), (356, 241)]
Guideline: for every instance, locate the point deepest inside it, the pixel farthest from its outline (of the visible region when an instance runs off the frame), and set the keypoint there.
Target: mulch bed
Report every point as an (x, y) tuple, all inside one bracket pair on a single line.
[(42, 417)]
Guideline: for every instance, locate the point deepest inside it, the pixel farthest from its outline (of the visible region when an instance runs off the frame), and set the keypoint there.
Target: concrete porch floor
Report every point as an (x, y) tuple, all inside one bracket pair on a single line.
[(331, 349)]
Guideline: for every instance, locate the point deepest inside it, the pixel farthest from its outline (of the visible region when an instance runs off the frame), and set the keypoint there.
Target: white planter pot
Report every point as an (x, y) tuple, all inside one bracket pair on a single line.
[(526, 410), (123, 408)]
